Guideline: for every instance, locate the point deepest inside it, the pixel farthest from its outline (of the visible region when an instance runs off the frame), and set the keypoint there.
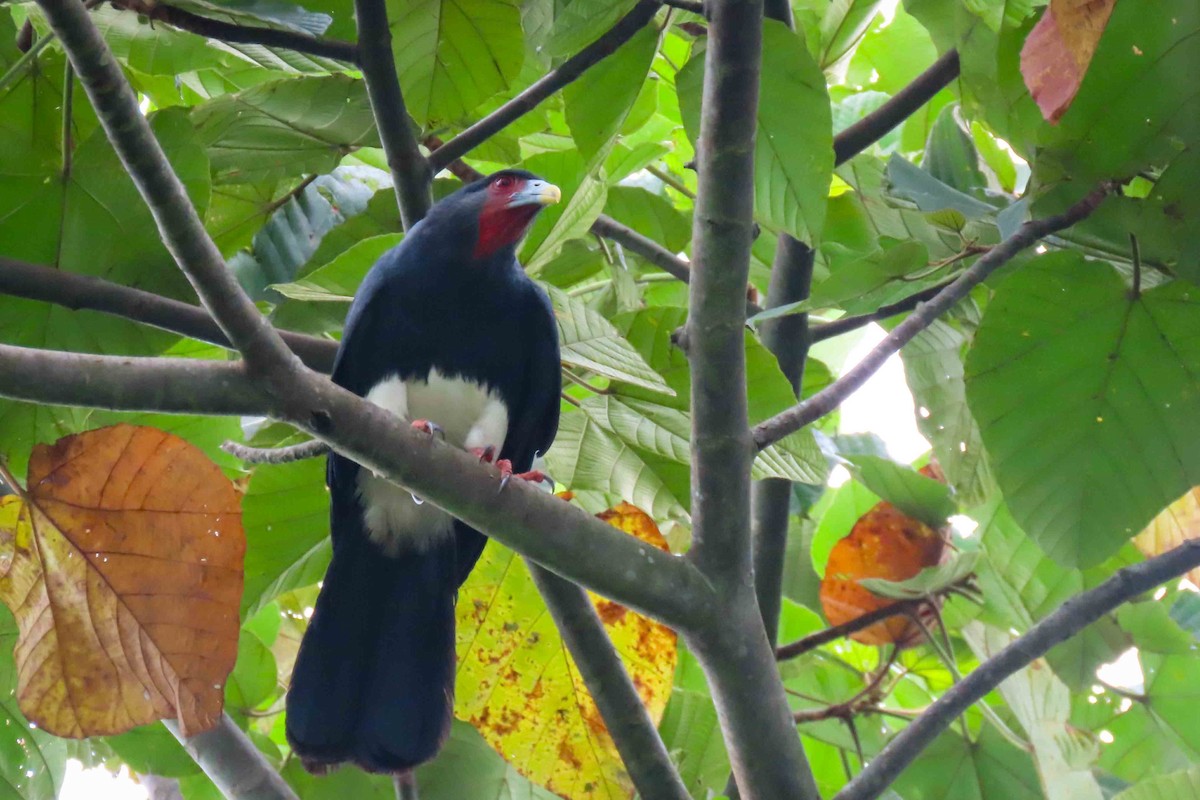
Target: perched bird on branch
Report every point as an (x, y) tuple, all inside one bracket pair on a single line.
[(448, 333)]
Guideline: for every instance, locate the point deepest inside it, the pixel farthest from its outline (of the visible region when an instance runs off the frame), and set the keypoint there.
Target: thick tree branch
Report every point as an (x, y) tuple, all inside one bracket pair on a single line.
[(75, 291), (787, 338), (243, 34), (1060, 625), (411, 173), (172, 385), (180, 227), (825, 401), (556, 79), (234, 764), (556, 534), (641, 748), (874, 126), (764, 748)]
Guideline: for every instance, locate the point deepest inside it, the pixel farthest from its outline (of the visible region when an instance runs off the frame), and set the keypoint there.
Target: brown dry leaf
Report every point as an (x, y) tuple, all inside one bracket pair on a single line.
[(1059, 49), (1174, 525), (884, 543), (122, 563), (519, 687)]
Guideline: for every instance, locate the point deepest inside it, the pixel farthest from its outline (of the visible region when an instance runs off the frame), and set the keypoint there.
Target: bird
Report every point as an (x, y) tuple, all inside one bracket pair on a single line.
[(448, 333)]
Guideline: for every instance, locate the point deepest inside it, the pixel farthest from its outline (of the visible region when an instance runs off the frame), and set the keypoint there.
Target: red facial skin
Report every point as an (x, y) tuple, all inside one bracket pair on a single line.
[(499, 224)]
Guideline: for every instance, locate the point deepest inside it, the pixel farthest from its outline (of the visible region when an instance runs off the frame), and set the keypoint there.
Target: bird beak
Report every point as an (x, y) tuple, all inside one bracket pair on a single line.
[(536, 193)]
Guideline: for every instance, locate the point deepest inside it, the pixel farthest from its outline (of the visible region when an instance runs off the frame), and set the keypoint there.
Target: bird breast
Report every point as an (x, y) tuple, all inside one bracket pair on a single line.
[(470, 414)]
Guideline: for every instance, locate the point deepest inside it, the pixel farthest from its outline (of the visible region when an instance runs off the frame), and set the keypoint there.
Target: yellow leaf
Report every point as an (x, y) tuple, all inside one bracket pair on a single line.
[(519, 687), (122, 563), (1174, 525)]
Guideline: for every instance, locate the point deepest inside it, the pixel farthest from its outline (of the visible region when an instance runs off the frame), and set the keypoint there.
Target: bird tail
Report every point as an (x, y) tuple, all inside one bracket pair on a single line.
[(374, 679)]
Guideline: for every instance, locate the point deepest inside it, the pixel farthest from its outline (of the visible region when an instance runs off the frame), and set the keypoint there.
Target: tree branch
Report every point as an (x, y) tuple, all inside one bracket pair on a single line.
[(243, 34), (770, 501), (556, 79), (811, 642), (874, 126), (1068, 620), (74, 291), (556, 534), (276, 455), (171, 385), (180, 227), (828, 330), (638, 743), (764, 748), (825, 401), (234, 764), (411, 172)]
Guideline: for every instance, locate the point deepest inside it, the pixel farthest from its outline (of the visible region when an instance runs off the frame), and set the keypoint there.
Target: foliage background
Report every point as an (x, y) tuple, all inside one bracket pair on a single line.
[(1062, 406)]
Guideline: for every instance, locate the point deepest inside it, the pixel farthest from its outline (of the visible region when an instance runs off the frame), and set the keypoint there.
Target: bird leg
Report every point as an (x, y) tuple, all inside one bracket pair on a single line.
[(506, 472), (428, 427)]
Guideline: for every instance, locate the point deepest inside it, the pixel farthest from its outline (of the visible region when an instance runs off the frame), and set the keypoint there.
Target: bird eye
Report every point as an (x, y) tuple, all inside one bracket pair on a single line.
[(504, 182)]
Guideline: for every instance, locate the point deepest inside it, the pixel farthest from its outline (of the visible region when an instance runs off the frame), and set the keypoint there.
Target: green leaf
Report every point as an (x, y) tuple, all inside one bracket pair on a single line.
[(933, 368), (32, 762), (1069, 394), (338, 280), (891, 273), (838, 511), (793, 153), (286, 517), (285, 128), (842, 28), (152, 749), (598, 104), (1153, 629), (953, 768), (692, 735), (929, 580), (929, 193), (154, 50), (908, 490), (651, 215), (585, 457), (590, 342), (453, 55), (1186, 612), (253, 678), (585, 193), (950, 154), (467, 767), (1183, 785)]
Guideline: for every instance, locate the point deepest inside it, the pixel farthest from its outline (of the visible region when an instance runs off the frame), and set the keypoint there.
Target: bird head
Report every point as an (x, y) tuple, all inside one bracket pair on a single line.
[(505, 203)]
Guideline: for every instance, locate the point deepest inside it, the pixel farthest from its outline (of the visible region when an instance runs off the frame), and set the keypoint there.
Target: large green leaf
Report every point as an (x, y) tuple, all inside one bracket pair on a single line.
[(953, 768), (286, 517), (933, 368), (154, 50), (468, 767), (585, 192), (454, 54), (1176, 786), (843, 26), (598, 104), (587, 458), (590, 342), (285, 128), (1089, 402), (93, 223), (692, 735), (793, 152), (650, 214), (916, 495)]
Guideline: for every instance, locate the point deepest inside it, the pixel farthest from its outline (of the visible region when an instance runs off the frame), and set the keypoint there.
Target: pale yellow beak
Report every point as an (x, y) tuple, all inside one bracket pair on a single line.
[(538, 193)]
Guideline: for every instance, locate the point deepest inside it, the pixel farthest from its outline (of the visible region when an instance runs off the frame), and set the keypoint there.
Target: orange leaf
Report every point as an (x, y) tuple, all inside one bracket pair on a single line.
[(122, 563), (518, 685), (1174, 525), (1059, 49), (884, 543)]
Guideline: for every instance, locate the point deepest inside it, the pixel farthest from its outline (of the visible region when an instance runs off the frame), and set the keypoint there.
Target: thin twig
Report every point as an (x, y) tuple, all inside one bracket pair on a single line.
[(276, 455), (556, 79), (828, 399), (406, 786), (1061, 624), (242, 34), (412, 175), (832, 634), (691, 6)]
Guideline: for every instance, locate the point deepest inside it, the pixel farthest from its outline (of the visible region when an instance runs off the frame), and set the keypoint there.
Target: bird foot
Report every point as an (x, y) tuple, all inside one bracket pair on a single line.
[(485, 454), (533, 475), (430, 428)]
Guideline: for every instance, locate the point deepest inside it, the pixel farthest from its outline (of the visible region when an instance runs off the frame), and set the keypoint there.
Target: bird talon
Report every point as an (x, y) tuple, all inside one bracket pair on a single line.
[(428, 427), (485, 454)]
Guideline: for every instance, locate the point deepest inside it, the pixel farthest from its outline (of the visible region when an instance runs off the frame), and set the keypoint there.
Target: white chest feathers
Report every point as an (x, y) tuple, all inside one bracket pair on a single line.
[(470, 415)]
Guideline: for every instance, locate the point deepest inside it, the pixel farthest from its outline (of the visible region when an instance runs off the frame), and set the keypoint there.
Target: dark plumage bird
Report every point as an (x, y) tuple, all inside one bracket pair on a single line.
[(449, 333)]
